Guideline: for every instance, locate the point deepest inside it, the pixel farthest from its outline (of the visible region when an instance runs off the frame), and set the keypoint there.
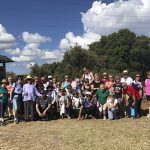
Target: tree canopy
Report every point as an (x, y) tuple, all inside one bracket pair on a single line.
[(113, 53)]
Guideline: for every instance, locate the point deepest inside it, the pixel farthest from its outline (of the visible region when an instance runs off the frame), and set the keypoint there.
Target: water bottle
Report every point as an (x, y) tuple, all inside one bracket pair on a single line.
[(132, 112)]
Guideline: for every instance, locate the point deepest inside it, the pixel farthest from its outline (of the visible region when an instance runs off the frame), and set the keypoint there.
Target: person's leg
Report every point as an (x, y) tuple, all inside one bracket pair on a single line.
[(80, 112), (101, 110), (104, 111), (3, 112), (110, 114), (15, 110), (26, 111), (31, 108), (9, 108)]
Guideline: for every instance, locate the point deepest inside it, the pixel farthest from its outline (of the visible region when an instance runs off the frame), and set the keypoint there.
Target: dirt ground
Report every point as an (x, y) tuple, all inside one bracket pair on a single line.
[(123, 134)]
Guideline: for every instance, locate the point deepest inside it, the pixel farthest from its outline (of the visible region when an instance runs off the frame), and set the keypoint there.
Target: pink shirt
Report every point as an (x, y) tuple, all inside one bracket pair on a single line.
[(109, 85), (147, 85)]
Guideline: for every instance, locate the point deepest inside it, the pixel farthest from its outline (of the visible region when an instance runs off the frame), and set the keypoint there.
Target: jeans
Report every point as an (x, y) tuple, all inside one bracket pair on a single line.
[(28, 109), (2, 109), (111, 113), (17, 102)]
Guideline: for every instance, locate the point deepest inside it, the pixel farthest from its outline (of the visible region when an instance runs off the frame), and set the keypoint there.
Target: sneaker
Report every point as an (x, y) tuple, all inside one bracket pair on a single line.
[(148, 115), (16, 121), (104, 118)]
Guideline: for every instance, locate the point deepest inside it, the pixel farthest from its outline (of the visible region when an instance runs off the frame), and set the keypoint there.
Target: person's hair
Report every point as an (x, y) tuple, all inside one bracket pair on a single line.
[(148, 72), (117, 78), (19, 77)]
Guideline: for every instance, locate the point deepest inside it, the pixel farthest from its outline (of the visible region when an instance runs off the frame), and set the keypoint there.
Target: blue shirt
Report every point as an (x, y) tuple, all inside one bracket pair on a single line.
[(18, 88)]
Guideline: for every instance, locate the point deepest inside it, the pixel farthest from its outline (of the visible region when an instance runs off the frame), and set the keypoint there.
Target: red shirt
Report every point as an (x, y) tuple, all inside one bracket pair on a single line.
[(131, 92)]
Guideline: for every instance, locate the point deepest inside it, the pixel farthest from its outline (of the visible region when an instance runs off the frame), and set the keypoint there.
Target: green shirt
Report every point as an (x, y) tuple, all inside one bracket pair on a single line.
[(102, 96), (4, 98)]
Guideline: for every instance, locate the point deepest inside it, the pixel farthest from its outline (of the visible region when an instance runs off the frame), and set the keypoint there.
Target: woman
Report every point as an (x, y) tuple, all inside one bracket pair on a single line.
[(147, 88), (109, 83), (96, 83), (66, 82), (29, 94), (137, 85), (9, 88), (3, 100), (87, 75), (16, 97)]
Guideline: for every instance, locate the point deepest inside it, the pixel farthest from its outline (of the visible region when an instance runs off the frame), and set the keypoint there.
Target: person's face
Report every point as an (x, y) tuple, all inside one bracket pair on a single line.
[(117, 81), (69, 89), (96, 77), (137, 77), (86, 71), (19, 80), (125, 76), (148, 75), (110, 78), (105, 76), (102, 87), (9, 80), (29, 81), (66, 79), (124, 85), (88, 96)]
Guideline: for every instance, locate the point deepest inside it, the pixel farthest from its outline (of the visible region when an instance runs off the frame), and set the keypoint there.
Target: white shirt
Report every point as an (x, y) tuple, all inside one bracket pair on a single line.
[(128, 80)]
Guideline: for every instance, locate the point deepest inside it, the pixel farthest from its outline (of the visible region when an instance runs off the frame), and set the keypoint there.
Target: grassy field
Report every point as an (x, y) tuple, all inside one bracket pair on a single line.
[(124, 134)]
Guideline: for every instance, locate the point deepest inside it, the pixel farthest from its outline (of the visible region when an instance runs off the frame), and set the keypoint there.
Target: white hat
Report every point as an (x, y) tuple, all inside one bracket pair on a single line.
[(125, 72), (49, 77), (88, 93)]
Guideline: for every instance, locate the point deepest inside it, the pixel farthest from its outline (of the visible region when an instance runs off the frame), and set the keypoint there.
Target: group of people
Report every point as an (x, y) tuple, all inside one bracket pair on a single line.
[(90, 96)]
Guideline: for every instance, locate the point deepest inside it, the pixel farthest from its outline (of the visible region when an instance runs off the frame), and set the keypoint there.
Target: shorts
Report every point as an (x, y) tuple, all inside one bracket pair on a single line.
[(148, 97)]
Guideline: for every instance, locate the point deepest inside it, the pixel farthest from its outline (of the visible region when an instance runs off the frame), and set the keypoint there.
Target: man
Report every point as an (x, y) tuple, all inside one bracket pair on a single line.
[(29, 94), (43, 104), (102, 95), (126, 78), (130, 96)]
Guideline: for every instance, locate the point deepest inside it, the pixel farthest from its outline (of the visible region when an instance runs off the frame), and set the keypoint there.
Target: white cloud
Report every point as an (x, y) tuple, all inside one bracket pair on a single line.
[(22, 58), (71, 40), (7, 40), (55, 55), (34, 38), (16, 51), (104, 19)]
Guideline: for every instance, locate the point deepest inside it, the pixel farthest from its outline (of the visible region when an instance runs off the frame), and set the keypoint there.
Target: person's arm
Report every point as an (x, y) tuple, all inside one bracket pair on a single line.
[(11, 92), (36, 92), (38, 111), (48, 107)]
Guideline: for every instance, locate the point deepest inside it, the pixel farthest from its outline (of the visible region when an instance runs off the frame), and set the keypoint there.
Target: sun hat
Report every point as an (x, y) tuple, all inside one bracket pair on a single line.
[(125, 72), (4, 81), (104, 74), (28, 77)]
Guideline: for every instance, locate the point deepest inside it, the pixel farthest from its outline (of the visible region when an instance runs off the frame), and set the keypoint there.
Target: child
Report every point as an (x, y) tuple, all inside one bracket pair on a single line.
[(112, 107), (63, 101), (86, 106)]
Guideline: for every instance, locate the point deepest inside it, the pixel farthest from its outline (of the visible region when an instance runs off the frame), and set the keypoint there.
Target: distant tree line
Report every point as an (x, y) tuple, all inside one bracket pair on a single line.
[(113, 53)]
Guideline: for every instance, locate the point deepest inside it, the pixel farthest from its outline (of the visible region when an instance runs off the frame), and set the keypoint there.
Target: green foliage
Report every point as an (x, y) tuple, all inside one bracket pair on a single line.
[(113, 53)]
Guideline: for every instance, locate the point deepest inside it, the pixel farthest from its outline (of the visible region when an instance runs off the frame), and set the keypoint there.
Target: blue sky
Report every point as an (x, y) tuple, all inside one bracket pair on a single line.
[(58, 24)]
